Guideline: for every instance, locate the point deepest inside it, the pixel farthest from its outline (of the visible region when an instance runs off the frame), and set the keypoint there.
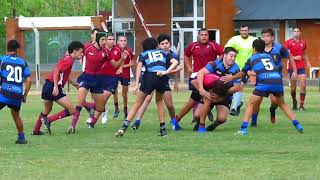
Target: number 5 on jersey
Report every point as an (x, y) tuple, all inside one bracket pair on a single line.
[(267, 64)]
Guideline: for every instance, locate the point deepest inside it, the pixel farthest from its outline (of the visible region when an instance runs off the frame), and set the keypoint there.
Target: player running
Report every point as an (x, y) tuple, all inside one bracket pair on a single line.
[(14, 71)]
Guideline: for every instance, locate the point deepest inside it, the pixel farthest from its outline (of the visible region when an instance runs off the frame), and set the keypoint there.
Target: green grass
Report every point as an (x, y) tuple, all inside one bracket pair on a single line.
[(268, 152)]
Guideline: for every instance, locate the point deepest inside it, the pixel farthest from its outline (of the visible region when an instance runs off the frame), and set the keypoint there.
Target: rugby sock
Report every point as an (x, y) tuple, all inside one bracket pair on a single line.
[(177, 118), (89, 106), (162, 125), (295, 122), (302, 97), (273, 109), (254, 119), (125, 110), (216, 124), (237, 97), (244, 125), (202, 125), (293, 96), (125, 124), (21, 135), (75, 117), (137, 122), (60, 115), (94, 120), (38, 123), (116, 107)]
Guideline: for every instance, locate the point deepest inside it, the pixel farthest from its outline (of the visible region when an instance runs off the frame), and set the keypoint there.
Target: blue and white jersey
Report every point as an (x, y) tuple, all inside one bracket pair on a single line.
[(265, 68), (155, 60), (278, 52), (13, 71)]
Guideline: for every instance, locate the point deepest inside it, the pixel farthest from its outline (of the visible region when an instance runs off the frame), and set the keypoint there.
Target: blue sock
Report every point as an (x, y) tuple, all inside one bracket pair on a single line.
[(254, 118), (137, 122), (244, 125), (295, 122), (21, 136)]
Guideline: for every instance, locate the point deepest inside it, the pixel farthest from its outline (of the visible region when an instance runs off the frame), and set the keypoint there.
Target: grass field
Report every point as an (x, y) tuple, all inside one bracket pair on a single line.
[(268, 152)]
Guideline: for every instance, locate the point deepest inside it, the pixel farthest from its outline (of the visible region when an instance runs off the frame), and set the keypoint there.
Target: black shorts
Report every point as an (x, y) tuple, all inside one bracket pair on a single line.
[(110, 83), (267, 93), (244, 80), (190, 84), (94, 83), (195, 95), (299, 72), (13, 107), (47, 92), (226, 102), (124, 81), (151, 82)]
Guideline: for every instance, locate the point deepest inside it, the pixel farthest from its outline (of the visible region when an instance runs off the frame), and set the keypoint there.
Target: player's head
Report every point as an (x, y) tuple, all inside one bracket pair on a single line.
[(244, 31), (110, 40), (229, 55), (164, 42), (296, 31), (258, 45), (149, 44), (93, 34), (203, 35), (267, 35), (218, 91), (122, 41), (75, 49), (101, 38), (13, 45)]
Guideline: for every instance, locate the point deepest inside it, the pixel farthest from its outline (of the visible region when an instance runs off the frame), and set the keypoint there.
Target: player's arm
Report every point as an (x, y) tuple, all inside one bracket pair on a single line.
[(291, 60), (115, 63), (28, 83), (56, 72), (173, 64), (200, 78), (177, 69), (188, 63), (73, 82), (305, 57), (243, 73), (235, 88), (131, 62), (138, 74)]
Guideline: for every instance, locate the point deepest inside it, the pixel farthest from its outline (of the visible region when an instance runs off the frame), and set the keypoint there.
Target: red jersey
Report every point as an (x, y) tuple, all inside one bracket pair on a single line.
[(87, 44), (126, 71), (296, 49), (65, 67), (203, 53), (108, 69), (95, 58)]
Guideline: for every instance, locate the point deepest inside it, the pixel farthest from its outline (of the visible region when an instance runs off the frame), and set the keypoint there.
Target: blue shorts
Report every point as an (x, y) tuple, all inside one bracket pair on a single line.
[(151, 82), (110, 83), (14, 104), (299, 72), (94, 83), (47, 92), (266, 90), (124, 81)]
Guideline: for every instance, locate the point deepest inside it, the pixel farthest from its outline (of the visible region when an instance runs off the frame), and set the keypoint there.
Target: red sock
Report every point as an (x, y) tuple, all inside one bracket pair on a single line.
[(89, 105), (94, 120), (38, 123), (60, 115), (302, 97), (293, 96), (76, 116), (177, 118)]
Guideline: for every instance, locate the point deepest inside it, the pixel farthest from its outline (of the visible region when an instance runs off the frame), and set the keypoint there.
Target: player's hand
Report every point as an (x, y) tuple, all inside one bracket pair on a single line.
[(178, 68), (77, 85), (124, 55), (55, 91), (251, 73), (227, 78), (24, 99), (119, 71), (206, 94), (162, 73), (136, 88), (294, 76)]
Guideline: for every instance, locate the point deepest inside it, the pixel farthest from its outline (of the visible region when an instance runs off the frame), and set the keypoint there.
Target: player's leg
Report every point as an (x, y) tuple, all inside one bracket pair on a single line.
[(293, 87), (15, 112), (273, 108), (141, 112), (116, 105), (204, 110), (184, 110), (135, 107), (237, 101), (286, 109), (221, 117), (43, 115), (303, 84), (253, 100), (101, 100), (168, 100), (161, 113), (82, 94), (125, 90), (255, 113)]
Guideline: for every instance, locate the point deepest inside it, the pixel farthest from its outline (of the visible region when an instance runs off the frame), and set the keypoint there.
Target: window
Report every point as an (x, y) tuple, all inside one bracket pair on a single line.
[(123, 9), (184, 8)]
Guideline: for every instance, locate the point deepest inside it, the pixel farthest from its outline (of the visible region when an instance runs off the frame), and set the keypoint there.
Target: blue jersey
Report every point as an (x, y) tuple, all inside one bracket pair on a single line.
[(13, 72), (155, 60), (278, 52), (217, 67), (265, 68), (174, 56)]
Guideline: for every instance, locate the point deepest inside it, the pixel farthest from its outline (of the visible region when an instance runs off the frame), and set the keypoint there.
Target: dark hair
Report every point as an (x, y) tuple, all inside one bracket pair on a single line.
[(243, 26), (296, 27), (202, 29), (220, 88), (163, 37), (268, 30), (13, 45), (75, 45), (110, 34), (259, 45), (230, 49), (99, 35), (95, 29), (149, 44)]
